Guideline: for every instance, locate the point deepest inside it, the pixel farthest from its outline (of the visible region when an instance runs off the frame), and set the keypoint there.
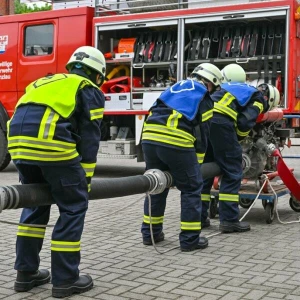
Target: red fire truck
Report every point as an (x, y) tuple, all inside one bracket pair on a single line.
[(149, 45)]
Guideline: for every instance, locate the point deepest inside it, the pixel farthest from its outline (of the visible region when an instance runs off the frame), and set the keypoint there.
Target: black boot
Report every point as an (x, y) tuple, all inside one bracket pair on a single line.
[(83, 284), (157, 239), (202, 244), (27, 280), (229, 227), (205, 224)]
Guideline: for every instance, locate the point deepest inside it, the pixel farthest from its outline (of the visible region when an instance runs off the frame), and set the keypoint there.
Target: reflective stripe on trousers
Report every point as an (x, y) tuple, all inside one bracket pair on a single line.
[(225, 150), (185, 170), (69, 191)]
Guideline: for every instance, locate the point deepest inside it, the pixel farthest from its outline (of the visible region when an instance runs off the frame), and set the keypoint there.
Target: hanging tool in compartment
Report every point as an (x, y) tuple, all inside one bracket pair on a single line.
[(205, 44), (174, 48), (236, 41), (168, 45), (246, 41), (215, 41), (226, 43), (278, 39), (149, 47), (261, 42), (200, 40), (156, 47), (270, 40), (139, 48), (195, 42), (159, 47), (253, 41)]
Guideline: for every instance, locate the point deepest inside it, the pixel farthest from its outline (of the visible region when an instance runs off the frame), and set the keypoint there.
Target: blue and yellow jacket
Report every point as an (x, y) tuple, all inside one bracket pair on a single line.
[(58, 120), (242, 103), (180, 118)]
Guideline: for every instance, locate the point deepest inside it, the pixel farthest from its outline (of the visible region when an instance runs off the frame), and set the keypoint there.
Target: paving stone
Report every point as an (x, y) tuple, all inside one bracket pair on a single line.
[(276, 295), (255, 295), (262, 264), (291, 297)]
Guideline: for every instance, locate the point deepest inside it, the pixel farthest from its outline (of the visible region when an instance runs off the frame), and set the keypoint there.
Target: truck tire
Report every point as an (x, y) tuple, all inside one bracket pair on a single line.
[(4, 154)]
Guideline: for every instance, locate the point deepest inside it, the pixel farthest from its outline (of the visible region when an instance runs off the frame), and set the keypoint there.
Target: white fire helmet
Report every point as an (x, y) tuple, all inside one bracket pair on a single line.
[(271, 94), (90, 57), (209, 72), (233, 73)]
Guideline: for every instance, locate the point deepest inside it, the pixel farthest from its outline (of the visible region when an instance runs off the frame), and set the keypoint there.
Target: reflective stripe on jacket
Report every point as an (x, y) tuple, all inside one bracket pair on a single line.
[(56, 91), (245, 116), (39, 132), (169, 127)]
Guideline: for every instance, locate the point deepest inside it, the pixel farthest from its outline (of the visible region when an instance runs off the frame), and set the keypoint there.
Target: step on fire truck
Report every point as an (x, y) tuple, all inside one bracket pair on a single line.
[(149, 44)]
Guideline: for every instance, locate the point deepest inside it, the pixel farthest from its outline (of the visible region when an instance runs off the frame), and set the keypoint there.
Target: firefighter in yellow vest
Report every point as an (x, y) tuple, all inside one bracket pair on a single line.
[(53, 137)]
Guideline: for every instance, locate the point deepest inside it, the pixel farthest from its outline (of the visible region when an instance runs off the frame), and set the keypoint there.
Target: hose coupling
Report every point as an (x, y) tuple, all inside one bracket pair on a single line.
[(159, 180)]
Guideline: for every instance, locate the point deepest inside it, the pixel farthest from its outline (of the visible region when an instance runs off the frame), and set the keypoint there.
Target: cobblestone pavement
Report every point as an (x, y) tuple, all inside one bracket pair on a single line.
[(261, 264)]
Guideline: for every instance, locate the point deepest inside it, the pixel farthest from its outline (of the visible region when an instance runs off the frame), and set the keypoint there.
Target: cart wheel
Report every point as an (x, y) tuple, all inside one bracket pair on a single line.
[(264, 203), (245, 202), (269, 211), (213, 207), (294, 204)]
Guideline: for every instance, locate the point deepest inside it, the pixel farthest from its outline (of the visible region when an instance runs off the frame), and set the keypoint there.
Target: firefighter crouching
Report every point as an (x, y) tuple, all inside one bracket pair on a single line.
[(53, 137), (174, 139), (236, 108)]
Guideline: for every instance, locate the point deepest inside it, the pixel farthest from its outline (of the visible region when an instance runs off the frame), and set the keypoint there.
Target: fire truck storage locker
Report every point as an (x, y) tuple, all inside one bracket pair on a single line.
[(145, 71), (257, 39), (147, 62)]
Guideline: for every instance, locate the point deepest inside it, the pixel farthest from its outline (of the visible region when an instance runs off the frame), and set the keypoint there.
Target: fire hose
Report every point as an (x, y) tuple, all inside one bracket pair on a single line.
[(152, 182)]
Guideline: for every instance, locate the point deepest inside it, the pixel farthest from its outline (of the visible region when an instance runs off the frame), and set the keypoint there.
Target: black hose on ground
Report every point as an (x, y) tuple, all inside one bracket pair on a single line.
[(153, 181)]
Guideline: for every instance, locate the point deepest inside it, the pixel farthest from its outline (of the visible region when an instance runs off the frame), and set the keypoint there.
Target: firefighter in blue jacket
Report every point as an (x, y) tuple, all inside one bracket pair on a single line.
[(53, 137), (174, 139), (236, 108)]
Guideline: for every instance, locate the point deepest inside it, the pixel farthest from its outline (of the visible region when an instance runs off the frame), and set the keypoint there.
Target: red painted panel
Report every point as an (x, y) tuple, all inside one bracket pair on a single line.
[(8, 58), (33, 67), (72, 28), (8, 65), (74, 31)]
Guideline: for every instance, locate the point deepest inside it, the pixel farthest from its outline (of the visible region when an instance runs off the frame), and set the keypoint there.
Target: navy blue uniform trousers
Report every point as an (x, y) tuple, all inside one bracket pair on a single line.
[(185, 170), (69, 191), (225, 150)]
